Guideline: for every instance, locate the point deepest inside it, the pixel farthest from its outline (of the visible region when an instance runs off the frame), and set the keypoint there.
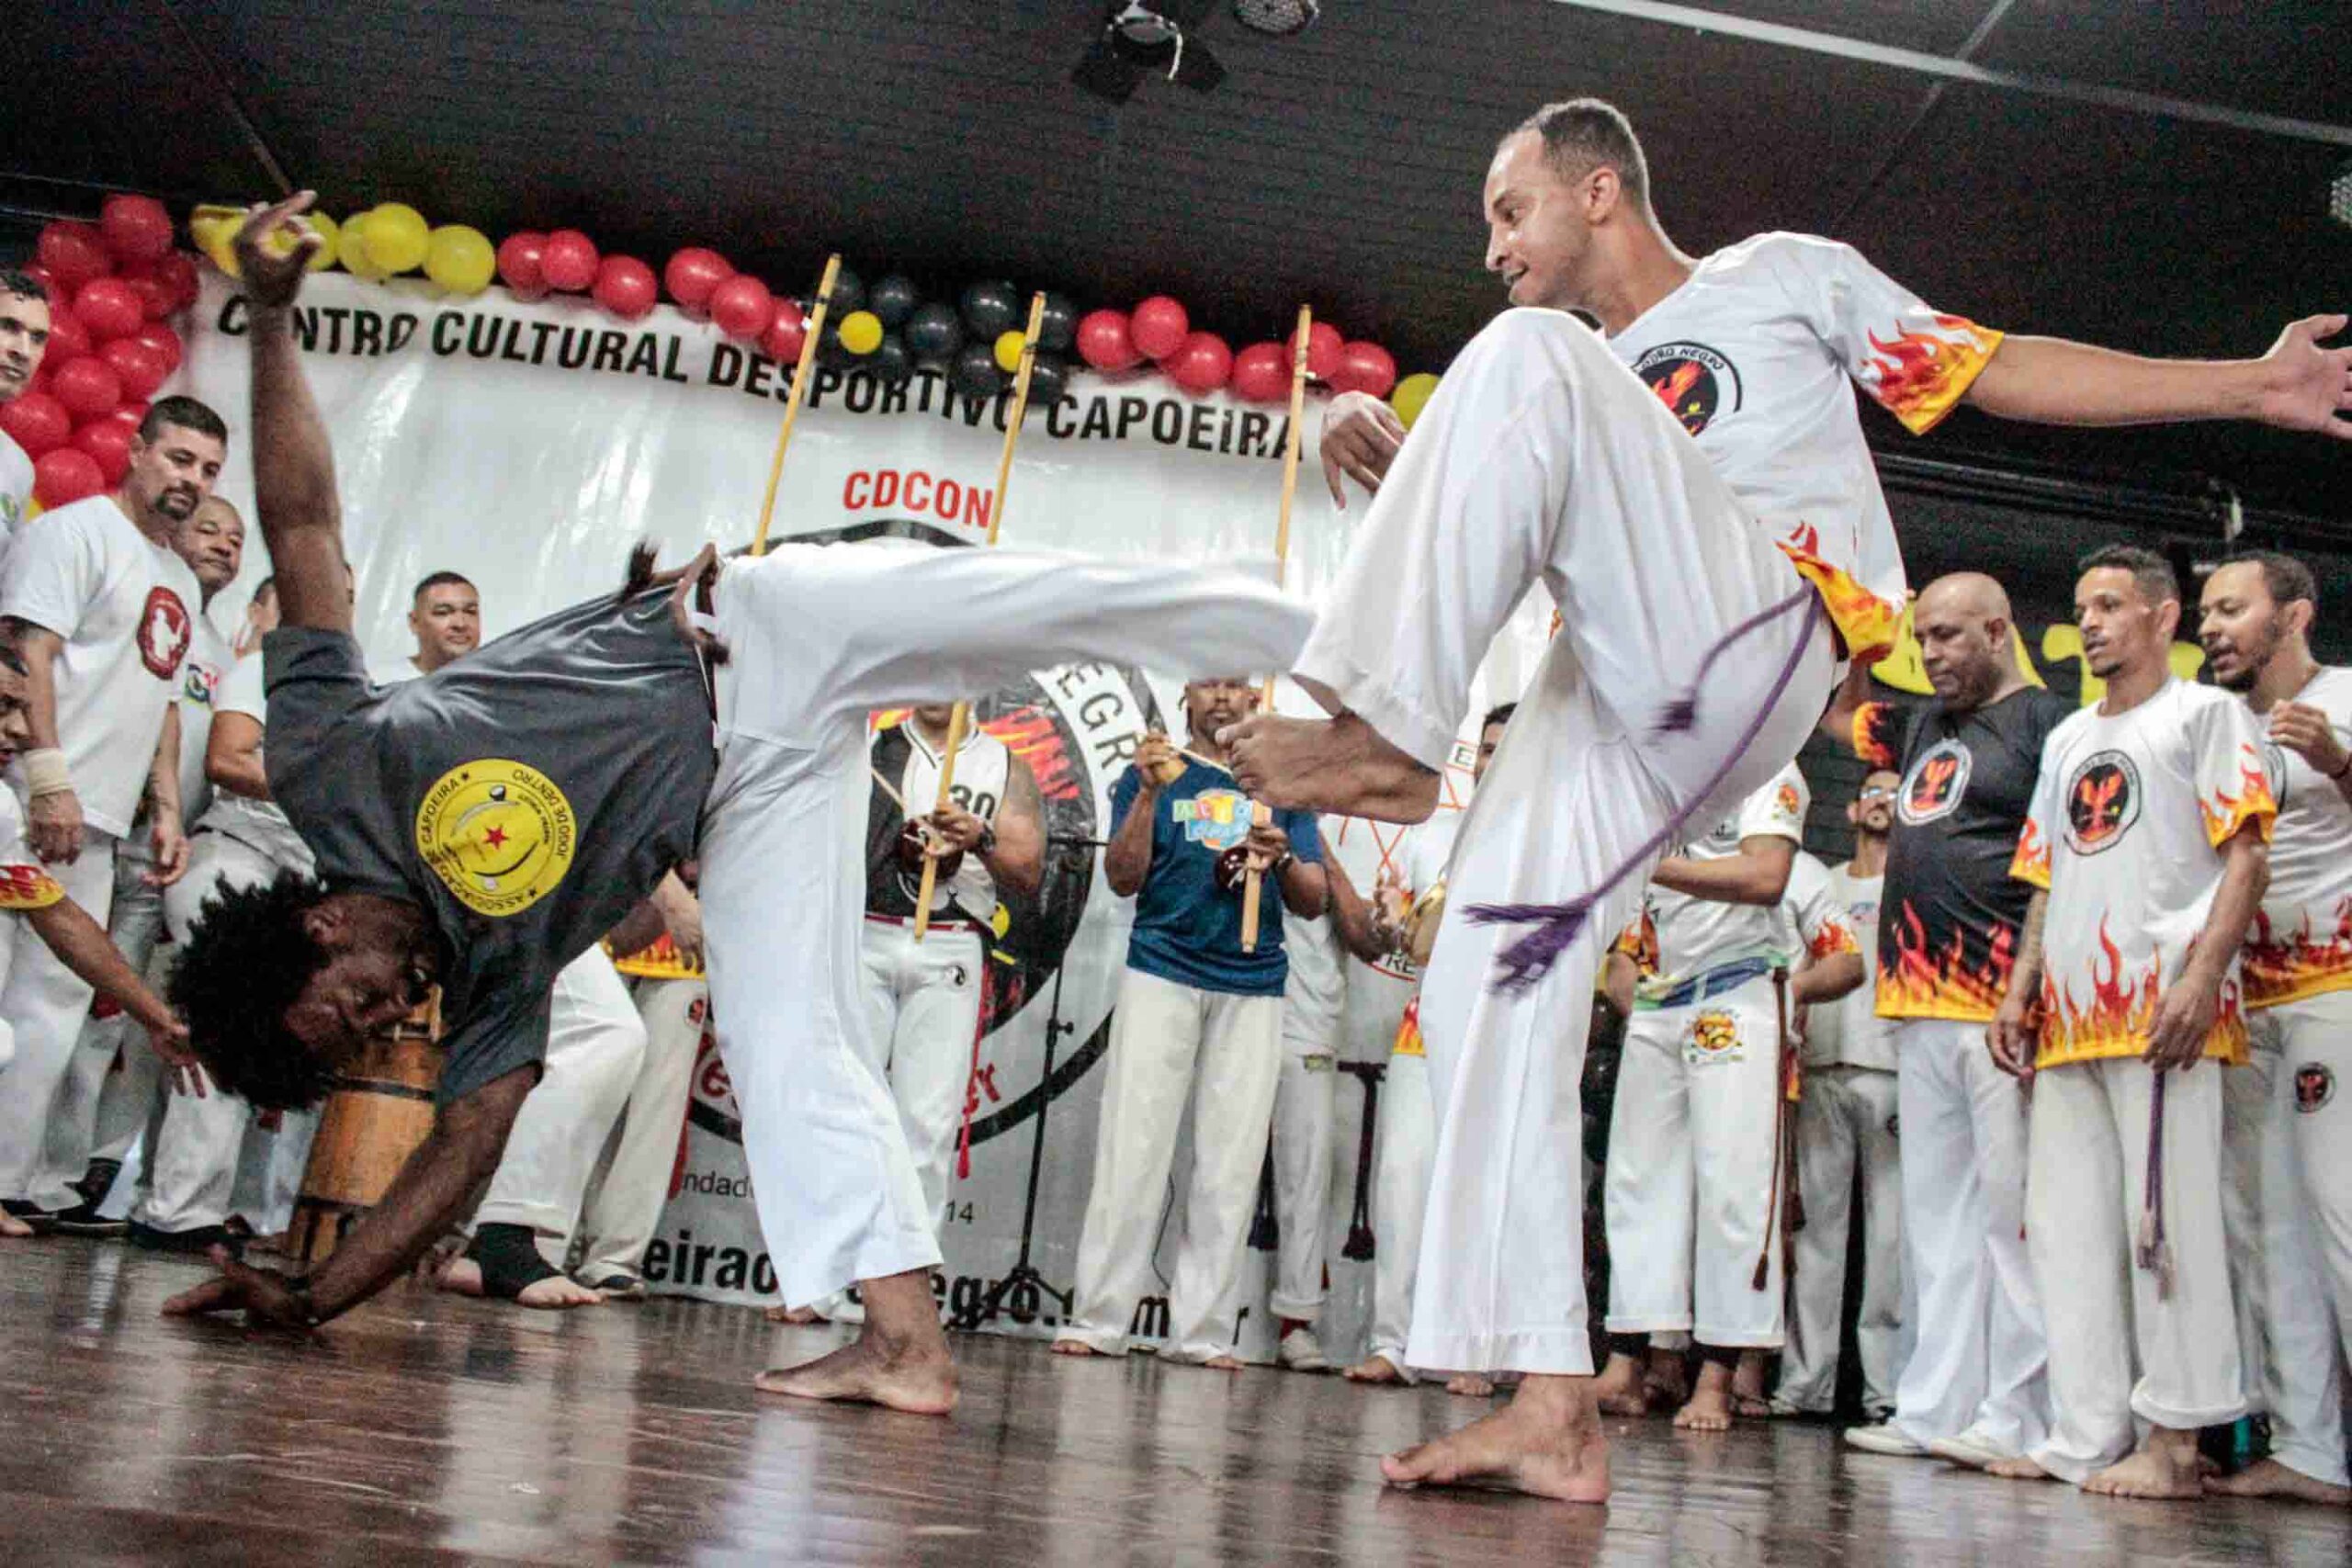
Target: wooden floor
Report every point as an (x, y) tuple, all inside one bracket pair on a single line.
[(423, 1428)]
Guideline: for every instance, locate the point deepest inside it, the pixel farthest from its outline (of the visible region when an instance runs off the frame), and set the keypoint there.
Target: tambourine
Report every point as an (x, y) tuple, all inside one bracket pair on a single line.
[(1421, 922)]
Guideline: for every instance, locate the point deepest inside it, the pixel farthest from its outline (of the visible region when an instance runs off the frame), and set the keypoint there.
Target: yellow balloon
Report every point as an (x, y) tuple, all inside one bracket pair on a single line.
[(459, 259), (1008, 349), (1411, 395), (351, 249), (861, 331), (397, 237), (330, 237)]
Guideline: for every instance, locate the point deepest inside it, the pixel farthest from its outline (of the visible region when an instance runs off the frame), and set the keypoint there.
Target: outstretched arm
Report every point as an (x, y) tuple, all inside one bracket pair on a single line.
[(1758, 873), (302, 521), (2297, 385)]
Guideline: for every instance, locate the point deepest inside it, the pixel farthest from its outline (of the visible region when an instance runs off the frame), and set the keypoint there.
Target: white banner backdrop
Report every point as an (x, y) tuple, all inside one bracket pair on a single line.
[(528, 445)]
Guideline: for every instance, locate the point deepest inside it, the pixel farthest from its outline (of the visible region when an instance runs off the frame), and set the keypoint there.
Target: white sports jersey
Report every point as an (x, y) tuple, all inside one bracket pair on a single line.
[(1753, 353), (25, 883), (2128, 813), (257, 824), (983, 767), (1316, 990), (127, 611), (2301, 941), (1849, 1031), (1678, 938), (15, 489), (208, 666)]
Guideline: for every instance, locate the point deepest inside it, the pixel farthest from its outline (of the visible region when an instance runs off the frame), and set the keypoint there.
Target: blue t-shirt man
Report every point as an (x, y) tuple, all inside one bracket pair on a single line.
[(1188, 930)]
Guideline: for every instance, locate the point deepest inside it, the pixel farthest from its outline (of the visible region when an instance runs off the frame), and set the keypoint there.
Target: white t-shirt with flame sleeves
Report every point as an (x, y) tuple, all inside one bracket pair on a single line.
[(1753, 352), (2301, 941)]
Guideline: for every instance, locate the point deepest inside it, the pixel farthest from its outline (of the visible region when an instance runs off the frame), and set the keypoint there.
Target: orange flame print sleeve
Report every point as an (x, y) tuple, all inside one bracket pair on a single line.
[(2229, 804), (1874, 735), (1832, 937), (28, 888), (1920, 374), (2031, 862)]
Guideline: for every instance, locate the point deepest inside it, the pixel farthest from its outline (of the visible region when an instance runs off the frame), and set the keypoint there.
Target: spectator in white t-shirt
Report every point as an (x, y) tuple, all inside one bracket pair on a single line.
[(105, 614), (24, 335), (444, 614)]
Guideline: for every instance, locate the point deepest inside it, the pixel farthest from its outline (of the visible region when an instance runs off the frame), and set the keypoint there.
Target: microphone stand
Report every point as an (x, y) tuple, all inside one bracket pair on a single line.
[(1023, 1276)]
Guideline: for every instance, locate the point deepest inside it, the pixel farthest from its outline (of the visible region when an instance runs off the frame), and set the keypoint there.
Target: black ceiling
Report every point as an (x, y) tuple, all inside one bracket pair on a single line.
[(942, 137)]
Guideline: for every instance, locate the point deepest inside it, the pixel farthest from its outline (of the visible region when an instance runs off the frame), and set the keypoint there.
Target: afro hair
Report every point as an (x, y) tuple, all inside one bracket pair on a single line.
[(246, 959)]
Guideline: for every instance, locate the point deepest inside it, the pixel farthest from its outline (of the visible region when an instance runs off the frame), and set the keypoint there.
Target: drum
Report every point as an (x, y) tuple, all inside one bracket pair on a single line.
[(379, 1112)]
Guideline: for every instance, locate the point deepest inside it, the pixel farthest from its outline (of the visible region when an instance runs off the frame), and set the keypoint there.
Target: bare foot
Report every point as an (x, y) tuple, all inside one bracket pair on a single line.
[(1709, 1409), (13, 1227), (870, 1370), (1080, 1347), (2150, 1472), (795, 1317), (2268, 1478), (554, 1293), (1547, 1442), (1666, 1379), (1375, 1369), (1749, 1400), (2018, 1468), (1221, 1363), (1471, 1385), (1620, 1389)]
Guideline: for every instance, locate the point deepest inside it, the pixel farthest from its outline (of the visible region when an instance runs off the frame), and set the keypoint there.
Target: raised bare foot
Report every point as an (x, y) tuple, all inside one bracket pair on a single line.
[(1546, 1442), (868, 1371), (2268, 1478), (1074, 1348), (1709, 1408), (796, 1317), (555, 1293), (1471, 1385), (1375, 1369), (2150, 1472), (1620, 1389), (2018, 1468)]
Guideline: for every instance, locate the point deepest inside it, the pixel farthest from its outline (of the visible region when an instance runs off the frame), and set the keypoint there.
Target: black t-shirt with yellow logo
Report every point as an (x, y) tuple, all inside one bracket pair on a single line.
[(529, 795), (1950, 916)]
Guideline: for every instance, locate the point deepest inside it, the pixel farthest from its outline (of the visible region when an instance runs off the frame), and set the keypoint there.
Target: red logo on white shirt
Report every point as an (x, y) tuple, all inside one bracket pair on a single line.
[(165, 633)]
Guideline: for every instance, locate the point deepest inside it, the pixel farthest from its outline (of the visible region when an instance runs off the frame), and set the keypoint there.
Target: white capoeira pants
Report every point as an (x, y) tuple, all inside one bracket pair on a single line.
[(1174, 1045), (1687, 1194), (625, 1203), (114, 1057), (1846, 1123), (2085, 1185), (1978, 1353), (924, 1002), (818, 638), (2302, 1262), (45, 1004), (595, 1045), (1404, 1152), (1304, 1097), (1542, 457)]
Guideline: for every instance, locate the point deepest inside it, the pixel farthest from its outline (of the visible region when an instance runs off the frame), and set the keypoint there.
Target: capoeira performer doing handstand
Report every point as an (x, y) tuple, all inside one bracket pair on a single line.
[(1541, 458), (482, 826)]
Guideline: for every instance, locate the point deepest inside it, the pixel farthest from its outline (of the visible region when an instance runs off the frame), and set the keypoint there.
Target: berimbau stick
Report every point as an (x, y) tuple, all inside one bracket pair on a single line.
[(1251, 893), (815, 334), (961, 719)]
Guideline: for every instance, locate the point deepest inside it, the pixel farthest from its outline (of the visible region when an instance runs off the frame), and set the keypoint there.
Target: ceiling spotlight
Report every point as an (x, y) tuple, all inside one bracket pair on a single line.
[(1280, 17), (1139, 40), (2339, 196)]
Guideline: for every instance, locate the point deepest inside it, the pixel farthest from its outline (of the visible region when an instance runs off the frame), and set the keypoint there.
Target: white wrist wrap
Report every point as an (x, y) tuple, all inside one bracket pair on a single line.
[(45, 773)]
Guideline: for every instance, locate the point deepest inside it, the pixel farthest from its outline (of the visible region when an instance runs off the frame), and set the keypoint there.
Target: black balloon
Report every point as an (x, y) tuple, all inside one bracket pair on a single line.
[(1057, 328), (831, 352), (976, 373), (934, 335), (890, 360), (849, 294), (893, 298), (1048, 379), (991, 308)]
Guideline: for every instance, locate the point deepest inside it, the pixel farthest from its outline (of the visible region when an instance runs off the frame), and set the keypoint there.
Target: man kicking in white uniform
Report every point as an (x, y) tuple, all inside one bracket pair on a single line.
[(1541, 458), (483, 826)]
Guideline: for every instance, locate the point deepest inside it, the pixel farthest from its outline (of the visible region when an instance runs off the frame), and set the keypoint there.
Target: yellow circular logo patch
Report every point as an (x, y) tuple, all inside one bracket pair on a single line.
[(499, 833)]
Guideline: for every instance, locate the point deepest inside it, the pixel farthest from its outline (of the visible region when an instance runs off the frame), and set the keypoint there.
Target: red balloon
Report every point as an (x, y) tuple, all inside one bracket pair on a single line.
[(36, 421), (157, 298), (742, 306), (68, 339), (131, 414), (107, 441), (89, 387), (66, 475), (178, 271), (1262, 372), (1160, 327), (1323, 348), (1365, 368), (626, 287), (568, 261), (520, 256), (109, 307), (1201, 365), (787, 328), (163, 341), (141, 369), (692, 273), (1105, 343), (135, 228), (75, 254)]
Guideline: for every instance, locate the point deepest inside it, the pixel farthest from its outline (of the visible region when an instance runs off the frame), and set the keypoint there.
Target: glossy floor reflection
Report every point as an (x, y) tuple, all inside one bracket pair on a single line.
[(426, 1429)]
